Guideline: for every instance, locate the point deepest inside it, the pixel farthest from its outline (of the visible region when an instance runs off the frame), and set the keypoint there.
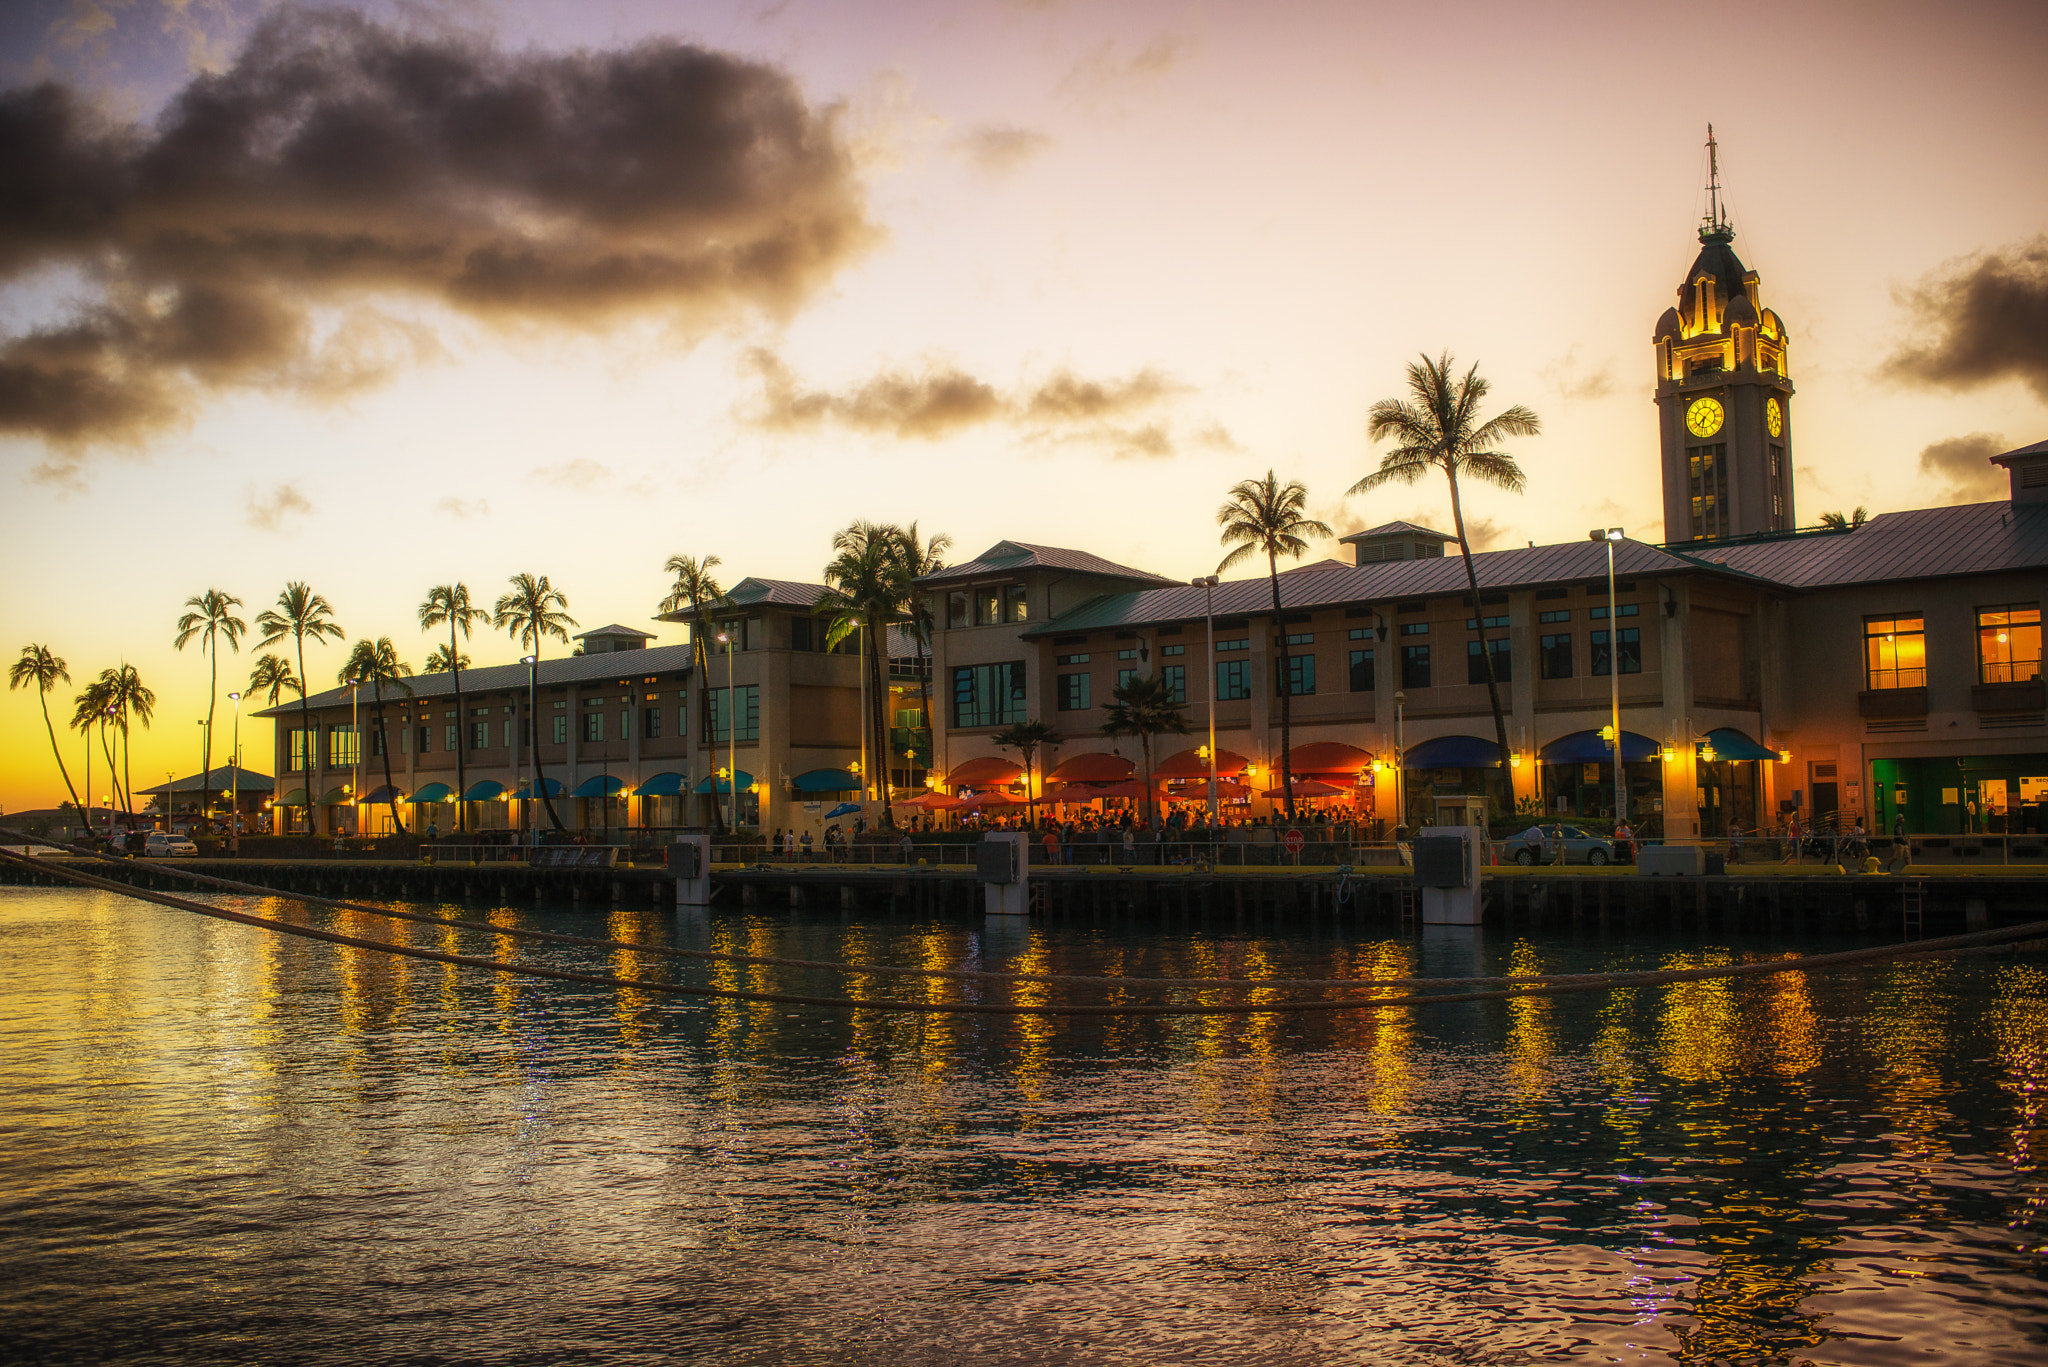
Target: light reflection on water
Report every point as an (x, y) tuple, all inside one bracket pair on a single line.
[(222, 1145)]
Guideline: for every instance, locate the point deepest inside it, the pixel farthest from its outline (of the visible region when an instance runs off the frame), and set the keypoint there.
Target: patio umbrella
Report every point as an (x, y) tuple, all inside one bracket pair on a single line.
[(1310, 787), (843, 809), (982, 801), (933, 802), (1189, 764), (986, 769)]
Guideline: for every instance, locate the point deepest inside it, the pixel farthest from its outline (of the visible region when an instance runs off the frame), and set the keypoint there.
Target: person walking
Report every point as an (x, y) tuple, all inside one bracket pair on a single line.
[(805, 846), (1051, 841), (1791, 840)]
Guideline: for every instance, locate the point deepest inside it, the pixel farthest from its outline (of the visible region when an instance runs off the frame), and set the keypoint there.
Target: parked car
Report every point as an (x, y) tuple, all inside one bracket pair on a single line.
[(1580, 847), (159, 845)]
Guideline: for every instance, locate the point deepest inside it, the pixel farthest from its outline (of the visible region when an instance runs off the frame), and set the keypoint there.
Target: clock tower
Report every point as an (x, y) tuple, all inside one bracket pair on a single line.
[(1724, 394)]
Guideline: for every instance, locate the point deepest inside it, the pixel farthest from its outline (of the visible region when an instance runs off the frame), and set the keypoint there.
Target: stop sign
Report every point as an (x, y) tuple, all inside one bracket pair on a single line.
[(1294, 840)]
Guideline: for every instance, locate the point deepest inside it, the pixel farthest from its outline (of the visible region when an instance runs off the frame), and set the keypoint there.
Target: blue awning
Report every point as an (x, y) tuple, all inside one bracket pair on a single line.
[(661, 785), (826, 781), (484, 790), (1586, 747), (1728, 743), (551, 786), (434, 792), (1452, 752), (385, 794), (600, 785), (720, 785)]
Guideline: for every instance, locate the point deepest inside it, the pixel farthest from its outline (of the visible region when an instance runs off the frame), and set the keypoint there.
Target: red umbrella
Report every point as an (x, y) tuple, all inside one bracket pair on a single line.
[(983, 800), (989, 769), (1093, 767), (1190, 764), (932, 802), (1088, 792)]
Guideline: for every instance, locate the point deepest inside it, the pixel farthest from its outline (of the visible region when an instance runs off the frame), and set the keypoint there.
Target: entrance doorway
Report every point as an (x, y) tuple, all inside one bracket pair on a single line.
[(1825, 789)]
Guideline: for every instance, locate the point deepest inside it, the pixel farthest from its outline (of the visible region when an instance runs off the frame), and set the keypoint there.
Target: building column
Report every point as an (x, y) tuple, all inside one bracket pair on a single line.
[(1674, 722)]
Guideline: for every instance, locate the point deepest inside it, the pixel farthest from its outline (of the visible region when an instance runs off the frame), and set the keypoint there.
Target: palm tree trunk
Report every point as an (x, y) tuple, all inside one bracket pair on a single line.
[(1500, 721), (384, 744), (127, 776), (461, 734), (206, 742), (305, 728), (43, 695), (878, 636), (703, 657), (1145, 742), (924, 698), (1286, 690), (107, 753), (87, 734)]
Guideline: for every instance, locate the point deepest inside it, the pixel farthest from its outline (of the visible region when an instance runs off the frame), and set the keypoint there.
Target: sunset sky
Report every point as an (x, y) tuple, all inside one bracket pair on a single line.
[(386, 296)]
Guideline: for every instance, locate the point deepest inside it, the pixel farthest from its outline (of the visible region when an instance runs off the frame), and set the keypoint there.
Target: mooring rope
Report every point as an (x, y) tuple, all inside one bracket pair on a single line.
[(1589, 983)]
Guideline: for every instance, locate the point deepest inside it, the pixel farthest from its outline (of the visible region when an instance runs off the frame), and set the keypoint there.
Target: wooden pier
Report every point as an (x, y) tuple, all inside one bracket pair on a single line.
[(1553, 901)]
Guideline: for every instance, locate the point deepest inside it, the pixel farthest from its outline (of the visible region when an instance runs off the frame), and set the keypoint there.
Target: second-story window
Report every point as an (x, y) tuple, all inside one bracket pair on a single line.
[(1361, 671), (593, 726), (561, 729), (1415, 666), (988, 607), (1631, 650), (1016, 604), (1894, 652), (1176, 678), (650, 723), (1554, 657), (1233, 679), (956, 609), (1301, 675), (989, 695), (2009, 643), (1475, 663), (1073, 692), (479, 735)]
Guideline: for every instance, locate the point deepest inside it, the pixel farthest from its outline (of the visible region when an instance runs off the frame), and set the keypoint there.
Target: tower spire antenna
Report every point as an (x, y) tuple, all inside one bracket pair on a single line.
[(1714, 224)]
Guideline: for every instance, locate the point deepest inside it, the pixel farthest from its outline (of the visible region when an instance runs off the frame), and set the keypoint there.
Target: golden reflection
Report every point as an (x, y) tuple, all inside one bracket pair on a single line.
[(1791, 1026), (1034, 1033), (629, 1004), (1698, 1030), (504, 988), (1531, 1041), (1908, 1030), (2019, 1022), (1390, 1046)]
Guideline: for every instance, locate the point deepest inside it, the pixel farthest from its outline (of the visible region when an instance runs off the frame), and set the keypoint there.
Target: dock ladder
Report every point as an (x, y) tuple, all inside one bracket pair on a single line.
[(1411, 907), (1913, 908)]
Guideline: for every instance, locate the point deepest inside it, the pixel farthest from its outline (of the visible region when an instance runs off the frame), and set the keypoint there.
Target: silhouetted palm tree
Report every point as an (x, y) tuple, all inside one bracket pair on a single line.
[(211, 618), (1835, 522), (865, 592), (914, 560), (300, 613), (696, 589), (376, 663), (1438, 428), (449, 604), (1265, 515), (129, 698), (1143, 706), (1025, 737), (531, 611), (439, 661), (37, 665), (89, 710)]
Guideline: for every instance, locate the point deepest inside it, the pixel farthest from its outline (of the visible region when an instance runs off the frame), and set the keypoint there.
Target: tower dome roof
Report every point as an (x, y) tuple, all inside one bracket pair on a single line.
[(1719, 260), (1667, 326)]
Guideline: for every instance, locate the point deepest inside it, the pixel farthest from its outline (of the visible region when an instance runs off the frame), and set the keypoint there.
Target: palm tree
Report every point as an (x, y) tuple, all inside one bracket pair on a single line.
[(300, 613), (89, 709), (449, 603), (530, 612), (128, 698), (696, 589), (865, 592), (212, 617), (1438, 428), (376, 663), (272, 676), (37, 665), (914, 560), (1144, 707), (1265, 515), (1025, 737), (439, 661), (1835, 522)]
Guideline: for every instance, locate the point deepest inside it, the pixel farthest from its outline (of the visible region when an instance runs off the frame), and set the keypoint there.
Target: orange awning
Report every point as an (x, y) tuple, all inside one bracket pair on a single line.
[(1327, 757), (1309, 787), (988, 769), (1088, 792), (1190, 764), (1093, 767), (981, 800)]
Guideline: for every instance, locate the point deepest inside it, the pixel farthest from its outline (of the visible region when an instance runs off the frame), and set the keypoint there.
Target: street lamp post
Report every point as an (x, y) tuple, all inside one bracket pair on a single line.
[(355, 756), (235, 780), (200, 819), (1609, 537), (732, 732), (532, 663), (1207, 583), (1400, 762)]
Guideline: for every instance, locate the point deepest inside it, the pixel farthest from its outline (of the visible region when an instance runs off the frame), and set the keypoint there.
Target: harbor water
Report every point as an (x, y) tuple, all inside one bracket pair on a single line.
[(220, 1144)]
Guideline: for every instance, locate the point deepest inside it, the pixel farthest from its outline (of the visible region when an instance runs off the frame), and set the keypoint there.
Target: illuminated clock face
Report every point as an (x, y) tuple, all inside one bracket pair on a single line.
[(1703, 419), (1774, 414)]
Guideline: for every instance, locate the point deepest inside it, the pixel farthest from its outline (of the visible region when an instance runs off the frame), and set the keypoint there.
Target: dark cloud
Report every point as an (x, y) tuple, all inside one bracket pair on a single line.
[(999, 150), (1963, 465), (267, 512), (943, 399), (337, 162), (1982, 319)]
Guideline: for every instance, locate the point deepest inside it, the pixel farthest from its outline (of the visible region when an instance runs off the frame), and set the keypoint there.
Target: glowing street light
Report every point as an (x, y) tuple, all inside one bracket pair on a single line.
[(1609, 537)]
